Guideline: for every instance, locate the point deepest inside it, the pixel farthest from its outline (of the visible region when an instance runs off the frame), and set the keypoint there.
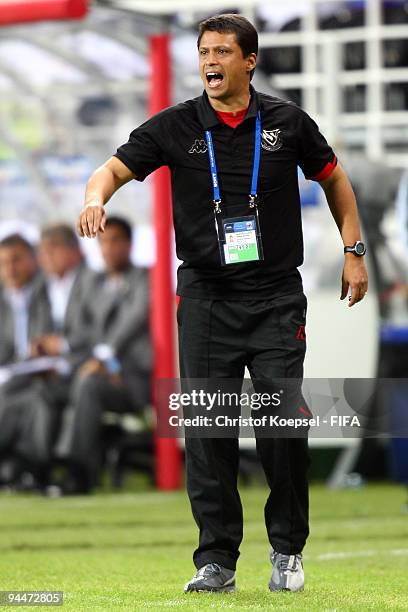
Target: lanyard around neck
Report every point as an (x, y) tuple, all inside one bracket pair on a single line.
[(255, 169)]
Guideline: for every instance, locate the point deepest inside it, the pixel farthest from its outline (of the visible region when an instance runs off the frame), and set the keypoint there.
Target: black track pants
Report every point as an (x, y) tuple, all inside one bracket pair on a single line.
[(217, 339)]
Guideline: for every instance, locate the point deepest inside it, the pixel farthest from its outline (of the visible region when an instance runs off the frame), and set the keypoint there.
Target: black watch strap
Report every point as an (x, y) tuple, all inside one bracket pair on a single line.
[(358, 249)]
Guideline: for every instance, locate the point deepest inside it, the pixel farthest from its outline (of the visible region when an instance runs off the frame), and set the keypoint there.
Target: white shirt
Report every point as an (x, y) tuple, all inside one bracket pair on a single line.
[(19, 302), (59, 290), (104, 352), (113, 284)]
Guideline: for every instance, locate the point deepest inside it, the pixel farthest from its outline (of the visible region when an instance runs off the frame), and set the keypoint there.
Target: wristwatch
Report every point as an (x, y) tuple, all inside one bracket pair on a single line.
[(358, 249)]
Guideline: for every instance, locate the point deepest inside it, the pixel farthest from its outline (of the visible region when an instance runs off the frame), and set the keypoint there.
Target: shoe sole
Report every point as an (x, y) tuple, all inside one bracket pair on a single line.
[(276, 590), (227, 589)]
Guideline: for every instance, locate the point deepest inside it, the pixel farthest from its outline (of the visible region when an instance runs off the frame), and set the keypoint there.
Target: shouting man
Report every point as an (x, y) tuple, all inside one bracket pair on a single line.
[(233, 154)]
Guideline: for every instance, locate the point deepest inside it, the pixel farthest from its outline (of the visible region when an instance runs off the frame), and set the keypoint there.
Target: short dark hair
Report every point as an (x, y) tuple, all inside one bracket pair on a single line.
[(122, 223), (62, 234), (229, 23), (16, 240)]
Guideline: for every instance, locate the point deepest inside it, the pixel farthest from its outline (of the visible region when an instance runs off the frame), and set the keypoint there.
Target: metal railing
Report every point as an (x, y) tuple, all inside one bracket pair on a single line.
[(322, 82)]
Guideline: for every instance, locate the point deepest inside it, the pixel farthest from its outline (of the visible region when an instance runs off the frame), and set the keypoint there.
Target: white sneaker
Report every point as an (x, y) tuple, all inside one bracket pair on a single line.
[(287, 573), (214, 578)]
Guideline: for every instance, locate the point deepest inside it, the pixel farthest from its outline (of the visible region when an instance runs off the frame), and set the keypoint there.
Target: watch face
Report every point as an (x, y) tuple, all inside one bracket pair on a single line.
[(360, 248)]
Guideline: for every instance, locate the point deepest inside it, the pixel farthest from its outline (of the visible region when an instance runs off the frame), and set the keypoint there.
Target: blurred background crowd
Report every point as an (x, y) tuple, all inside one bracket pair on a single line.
[(75, 318), (74, 344)]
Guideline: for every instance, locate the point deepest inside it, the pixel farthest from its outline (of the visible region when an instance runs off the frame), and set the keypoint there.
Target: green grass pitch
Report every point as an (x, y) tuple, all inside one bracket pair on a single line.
[(132, 551)]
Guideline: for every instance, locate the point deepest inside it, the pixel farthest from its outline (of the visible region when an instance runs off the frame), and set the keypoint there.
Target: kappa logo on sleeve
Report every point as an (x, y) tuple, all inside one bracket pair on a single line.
[(271, 140), (199, 146)]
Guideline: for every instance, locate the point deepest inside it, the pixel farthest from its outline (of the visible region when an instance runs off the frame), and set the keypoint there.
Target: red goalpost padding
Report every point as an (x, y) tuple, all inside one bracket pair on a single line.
[(18, 11), (168, 454)]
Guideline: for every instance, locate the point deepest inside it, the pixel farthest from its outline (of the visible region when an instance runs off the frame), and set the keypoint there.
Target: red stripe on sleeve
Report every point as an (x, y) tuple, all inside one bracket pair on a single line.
[(326, 172)]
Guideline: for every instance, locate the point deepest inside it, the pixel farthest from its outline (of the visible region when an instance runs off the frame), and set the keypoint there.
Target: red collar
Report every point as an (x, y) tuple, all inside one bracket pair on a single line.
[(233, 119)]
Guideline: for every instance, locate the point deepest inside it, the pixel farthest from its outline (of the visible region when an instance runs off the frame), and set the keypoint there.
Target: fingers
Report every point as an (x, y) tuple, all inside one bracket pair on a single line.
[(344, 288), (99, 220), (91, 220), (355, 296), (92, 366), (358, 292), (36, 347), (355, 280), (103, 221)]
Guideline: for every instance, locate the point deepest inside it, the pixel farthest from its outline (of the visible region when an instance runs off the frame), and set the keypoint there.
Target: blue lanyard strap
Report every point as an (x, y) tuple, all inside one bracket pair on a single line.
[(257, 157), (255, 170), (213, 167)]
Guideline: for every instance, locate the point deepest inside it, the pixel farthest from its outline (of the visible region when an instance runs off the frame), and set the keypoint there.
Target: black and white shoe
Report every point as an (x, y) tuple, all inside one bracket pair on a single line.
[(287, 573), (213, 578)]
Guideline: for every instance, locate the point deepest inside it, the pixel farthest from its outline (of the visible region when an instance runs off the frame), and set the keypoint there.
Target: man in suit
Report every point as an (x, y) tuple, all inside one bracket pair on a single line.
[(67, 280), (25, 313), (117, 376)]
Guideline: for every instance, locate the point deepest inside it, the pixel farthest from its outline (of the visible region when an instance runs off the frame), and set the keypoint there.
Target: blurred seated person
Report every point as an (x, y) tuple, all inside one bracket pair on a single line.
[(24, 313), (117, 376), (67, 281)]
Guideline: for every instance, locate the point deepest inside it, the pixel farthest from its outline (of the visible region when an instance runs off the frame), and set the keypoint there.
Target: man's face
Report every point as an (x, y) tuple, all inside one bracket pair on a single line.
[(115, 248), (17, 266), (223, 69), (56, 258)]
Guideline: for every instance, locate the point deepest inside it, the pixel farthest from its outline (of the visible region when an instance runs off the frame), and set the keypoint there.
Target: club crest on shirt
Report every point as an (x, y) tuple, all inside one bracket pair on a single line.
[(271, 139), (199, 146)]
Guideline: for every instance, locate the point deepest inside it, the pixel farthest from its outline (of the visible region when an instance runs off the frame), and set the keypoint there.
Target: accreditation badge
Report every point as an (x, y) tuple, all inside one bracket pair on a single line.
[(240, 240)]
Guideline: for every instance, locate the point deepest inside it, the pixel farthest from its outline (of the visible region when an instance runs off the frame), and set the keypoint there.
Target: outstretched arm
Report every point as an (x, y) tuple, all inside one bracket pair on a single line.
[(342, 202), (100, 188)]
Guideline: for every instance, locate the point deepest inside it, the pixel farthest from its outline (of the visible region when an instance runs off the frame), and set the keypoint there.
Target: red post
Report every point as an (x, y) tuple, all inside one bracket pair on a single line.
[(20, 11), (168, 456)]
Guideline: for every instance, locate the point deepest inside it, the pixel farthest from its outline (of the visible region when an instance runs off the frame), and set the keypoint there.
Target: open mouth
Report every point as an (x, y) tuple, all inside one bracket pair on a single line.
[(214, 79)]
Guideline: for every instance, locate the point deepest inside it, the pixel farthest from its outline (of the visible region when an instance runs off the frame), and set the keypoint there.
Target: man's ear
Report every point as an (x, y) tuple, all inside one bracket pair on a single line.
[(251, 62)]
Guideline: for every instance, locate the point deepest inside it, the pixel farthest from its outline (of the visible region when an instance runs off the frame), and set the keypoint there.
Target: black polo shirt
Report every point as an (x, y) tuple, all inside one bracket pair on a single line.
[(175, 137)]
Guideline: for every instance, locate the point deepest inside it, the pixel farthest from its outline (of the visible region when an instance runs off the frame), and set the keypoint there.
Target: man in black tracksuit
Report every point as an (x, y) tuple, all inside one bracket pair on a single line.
[(233, 154)]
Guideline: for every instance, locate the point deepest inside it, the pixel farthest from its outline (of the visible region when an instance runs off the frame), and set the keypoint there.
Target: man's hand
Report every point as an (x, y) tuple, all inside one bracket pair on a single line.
[(92, 366), (104, 182), (50, 344), (354, 277), (91, 220)]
